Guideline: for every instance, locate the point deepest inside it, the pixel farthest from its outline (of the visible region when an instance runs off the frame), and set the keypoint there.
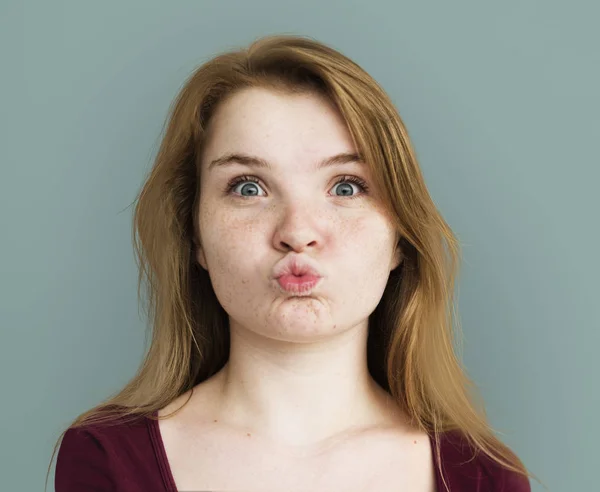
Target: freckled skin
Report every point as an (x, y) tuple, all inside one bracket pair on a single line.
[(293, 208)]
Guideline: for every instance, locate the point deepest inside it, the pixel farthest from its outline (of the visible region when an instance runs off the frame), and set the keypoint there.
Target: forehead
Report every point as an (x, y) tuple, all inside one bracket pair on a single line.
[(277, 126)]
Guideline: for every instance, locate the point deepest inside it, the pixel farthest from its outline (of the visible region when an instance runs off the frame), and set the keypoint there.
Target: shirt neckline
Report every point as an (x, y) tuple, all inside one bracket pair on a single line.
[(161, 454), (167, 475)]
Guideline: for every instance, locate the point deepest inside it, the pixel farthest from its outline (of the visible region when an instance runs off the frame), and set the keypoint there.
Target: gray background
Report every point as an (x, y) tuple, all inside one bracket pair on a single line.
[(501, 101)]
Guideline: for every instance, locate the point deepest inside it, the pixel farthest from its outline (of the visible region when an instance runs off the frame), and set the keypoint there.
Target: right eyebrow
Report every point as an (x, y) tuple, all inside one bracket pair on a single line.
[(254, 161)]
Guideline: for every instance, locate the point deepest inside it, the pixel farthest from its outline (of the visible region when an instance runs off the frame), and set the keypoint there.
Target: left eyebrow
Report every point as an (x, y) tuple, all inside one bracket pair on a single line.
[(254, 161)]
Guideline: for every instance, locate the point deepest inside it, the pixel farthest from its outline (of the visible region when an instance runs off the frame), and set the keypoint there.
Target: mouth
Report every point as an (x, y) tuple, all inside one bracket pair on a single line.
[(298, 284)]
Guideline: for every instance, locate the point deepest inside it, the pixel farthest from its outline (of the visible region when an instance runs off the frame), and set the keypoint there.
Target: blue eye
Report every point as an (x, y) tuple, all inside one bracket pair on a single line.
[(362, 185), (242, 180), (355, 180)]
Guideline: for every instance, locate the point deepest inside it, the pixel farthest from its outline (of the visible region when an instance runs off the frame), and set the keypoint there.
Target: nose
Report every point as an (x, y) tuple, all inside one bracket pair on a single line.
[(297, 229)]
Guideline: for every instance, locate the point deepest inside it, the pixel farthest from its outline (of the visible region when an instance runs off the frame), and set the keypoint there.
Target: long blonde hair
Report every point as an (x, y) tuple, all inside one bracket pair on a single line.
[(412, 330)]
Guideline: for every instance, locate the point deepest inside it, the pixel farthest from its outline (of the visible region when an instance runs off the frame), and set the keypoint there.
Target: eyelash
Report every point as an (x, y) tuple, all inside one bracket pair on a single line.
[(252, 179)]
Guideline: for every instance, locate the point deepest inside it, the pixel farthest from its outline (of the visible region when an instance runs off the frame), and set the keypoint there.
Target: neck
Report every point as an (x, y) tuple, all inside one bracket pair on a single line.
[(301, 394)]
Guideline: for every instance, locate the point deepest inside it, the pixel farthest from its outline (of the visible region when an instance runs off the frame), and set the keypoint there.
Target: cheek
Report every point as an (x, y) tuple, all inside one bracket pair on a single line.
[(227, 242), (369, 236), (237, 258), (366, 250), (231, 245)]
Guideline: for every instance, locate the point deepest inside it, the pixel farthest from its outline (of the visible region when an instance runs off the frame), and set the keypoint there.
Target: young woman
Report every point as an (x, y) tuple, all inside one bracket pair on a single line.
[(301, 285)]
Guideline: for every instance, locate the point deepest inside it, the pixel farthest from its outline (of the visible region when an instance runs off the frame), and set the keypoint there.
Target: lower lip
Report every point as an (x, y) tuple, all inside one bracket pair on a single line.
[(298, 285)]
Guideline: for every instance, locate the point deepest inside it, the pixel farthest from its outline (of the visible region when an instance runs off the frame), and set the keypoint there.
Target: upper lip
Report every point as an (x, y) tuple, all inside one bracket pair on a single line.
[(296, 265)]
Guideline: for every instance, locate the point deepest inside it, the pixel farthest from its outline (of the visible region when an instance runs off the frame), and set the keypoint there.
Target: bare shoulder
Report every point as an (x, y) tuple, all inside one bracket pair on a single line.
[(187, 418), (402, 460)]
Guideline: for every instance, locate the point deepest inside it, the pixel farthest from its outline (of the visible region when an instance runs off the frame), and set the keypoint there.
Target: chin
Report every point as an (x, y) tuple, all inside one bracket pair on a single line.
[(299, 332)]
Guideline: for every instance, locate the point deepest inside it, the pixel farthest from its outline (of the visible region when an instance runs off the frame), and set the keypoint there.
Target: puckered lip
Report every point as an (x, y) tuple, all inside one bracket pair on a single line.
[(295, 264)]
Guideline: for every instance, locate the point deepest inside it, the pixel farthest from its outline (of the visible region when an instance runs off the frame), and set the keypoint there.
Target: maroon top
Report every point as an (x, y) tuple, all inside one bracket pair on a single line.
[(129, 456)]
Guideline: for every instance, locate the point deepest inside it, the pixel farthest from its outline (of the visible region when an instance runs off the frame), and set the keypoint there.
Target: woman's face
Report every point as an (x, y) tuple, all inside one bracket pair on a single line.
[(293, 207)]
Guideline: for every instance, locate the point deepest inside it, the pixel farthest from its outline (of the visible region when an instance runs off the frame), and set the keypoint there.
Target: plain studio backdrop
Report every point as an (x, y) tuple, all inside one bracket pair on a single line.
[(501, 100)]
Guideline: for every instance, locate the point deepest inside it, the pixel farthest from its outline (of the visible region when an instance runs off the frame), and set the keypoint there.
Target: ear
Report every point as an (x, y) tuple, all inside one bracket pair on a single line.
[(397, 257), (200, 257)]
